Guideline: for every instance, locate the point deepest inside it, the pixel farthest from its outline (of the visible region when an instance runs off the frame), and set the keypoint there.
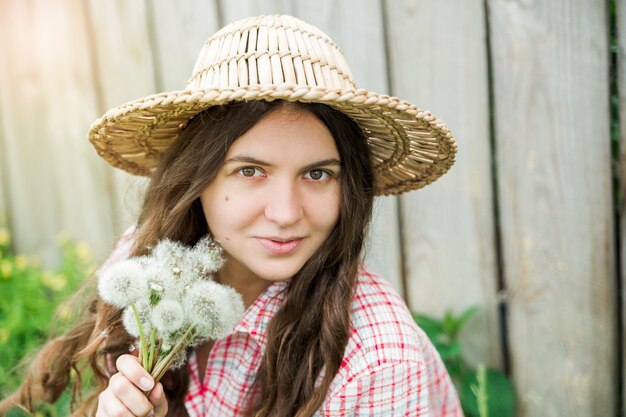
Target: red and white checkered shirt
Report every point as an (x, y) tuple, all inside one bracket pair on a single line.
[(389, 368)]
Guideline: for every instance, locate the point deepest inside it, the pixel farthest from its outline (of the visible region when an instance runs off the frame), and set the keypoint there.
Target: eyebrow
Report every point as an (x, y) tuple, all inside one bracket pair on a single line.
[(252, 160)]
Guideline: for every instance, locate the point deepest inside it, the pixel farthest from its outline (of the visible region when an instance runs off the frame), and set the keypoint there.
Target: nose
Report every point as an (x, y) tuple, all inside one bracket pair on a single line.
[(284, 204)]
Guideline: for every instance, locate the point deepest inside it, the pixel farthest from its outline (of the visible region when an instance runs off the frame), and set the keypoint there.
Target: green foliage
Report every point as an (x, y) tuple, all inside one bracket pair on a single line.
[(32, 308), (487, 393), (483, 392)]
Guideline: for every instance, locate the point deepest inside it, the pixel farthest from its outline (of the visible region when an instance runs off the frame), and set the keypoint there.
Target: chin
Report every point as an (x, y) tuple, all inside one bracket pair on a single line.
[(279, 274)]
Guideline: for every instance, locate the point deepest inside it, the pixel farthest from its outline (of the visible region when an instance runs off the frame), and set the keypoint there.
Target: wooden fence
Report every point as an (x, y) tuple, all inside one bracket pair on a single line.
[(522, 226)]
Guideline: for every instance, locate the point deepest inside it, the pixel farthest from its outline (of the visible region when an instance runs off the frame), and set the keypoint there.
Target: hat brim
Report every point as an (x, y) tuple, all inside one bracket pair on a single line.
[(410, 147)]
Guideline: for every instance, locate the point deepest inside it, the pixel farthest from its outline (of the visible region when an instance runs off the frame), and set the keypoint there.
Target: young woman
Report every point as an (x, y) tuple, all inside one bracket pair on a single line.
[(274, 152)]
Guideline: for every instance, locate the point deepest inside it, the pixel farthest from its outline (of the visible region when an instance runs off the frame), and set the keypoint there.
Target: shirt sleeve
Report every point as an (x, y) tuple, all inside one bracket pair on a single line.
[(391, 389)]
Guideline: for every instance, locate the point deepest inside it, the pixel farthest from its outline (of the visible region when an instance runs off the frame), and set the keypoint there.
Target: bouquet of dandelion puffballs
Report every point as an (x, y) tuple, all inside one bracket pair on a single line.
[(169, 301)]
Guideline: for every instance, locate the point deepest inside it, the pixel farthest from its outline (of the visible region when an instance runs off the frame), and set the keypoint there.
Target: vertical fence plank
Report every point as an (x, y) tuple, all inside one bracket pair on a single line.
[(437, 60), (179, 30), (233, 10), (621, 83), (4, 103), (122, 55), (55, 183), (552, 129), (357, 27)]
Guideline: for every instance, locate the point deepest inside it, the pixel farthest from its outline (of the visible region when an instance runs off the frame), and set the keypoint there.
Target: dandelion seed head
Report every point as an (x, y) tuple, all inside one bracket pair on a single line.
[(169, 252), (130, 322), (206, 255), (168, 316), (213, 308), (122, 283), (234, 307), (160, 283)]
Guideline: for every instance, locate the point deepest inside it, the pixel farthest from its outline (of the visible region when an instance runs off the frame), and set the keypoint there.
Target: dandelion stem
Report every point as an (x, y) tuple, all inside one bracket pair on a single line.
[(152, 343), (164, 364), (142, 338)]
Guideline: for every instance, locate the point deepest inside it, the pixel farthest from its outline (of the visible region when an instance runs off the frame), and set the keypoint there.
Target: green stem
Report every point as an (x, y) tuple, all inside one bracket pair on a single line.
[(142, 338), (164, 364), (152, 346)]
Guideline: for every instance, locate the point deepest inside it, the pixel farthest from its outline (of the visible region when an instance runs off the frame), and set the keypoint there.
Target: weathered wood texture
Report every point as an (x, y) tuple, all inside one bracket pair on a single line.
[(550, 72), (55, 180), (437, 59), (121, 51), (178, 32), (621, 84), (4, 178)]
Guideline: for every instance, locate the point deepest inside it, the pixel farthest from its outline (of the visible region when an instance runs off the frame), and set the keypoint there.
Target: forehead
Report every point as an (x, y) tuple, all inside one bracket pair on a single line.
[(286, 132)]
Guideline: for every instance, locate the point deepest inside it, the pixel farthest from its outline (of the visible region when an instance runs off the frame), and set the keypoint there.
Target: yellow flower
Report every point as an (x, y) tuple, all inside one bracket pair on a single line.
[(55, 282), (4, 335), (20, 262), (6, 268), (5, 237), (83, 252)]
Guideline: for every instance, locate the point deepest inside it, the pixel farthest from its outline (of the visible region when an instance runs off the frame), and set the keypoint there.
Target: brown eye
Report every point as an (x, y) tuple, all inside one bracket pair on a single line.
[(248, 171), (317, 174)]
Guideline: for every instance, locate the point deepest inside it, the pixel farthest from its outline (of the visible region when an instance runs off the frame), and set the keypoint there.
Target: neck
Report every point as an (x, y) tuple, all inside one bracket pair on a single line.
[(246, 283)]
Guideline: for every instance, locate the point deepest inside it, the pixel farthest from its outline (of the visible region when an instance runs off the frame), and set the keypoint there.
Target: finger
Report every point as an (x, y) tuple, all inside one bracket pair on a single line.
[(157, 398), (129, 395), (110, 405), (129, 366)]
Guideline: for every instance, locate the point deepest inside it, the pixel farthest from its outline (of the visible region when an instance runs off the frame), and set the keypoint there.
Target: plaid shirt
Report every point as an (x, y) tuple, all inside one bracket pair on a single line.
[(389, 367)]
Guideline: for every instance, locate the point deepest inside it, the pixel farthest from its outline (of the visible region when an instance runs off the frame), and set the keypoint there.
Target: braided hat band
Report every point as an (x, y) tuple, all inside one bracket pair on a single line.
[(271, 58)]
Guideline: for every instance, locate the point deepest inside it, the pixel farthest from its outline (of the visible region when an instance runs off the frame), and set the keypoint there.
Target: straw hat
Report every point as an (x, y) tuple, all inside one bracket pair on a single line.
[(279, 57)]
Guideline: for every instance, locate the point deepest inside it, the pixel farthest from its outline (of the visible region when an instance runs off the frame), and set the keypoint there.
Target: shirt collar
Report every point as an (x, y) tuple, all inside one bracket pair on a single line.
[(256, 318)]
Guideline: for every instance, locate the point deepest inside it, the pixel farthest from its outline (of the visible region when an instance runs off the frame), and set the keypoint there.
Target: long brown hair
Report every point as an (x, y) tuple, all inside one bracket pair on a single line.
[(306, 337)]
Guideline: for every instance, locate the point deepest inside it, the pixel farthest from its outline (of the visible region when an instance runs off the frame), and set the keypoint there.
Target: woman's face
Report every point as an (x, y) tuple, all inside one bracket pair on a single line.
[(275, 199)]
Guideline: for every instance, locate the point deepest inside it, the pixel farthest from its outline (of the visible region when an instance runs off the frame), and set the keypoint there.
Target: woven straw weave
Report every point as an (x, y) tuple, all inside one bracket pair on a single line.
[(279, 57)]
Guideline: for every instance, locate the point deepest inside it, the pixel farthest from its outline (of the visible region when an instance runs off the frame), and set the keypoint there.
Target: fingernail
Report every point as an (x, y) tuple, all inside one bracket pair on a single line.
[(146, 383)]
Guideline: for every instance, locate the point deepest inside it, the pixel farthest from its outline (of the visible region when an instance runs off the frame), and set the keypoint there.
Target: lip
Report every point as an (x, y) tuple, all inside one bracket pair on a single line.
[(279, 246)]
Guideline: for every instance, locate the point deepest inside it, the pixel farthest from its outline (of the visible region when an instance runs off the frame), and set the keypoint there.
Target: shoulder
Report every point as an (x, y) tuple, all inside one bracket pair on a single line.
[(383, 328), (389, 367), (383, 332)]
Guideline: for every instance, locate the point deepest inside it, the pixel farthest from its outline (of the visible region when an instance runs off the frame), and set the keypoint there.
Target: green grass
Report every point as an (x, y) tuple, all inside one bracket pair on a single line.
[(34, 306)]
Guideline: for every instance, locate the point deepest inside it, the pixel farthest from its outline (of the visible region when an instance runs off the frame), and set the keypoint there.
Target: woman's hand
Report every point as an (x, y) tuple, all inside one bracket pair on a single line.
[(124, 397)]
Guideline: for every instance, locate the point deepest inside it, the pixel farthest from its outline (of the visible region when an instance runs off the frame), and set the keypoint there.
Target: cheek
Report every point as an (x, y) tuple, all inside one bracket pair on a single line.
[(325, 211), (228, 213)]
